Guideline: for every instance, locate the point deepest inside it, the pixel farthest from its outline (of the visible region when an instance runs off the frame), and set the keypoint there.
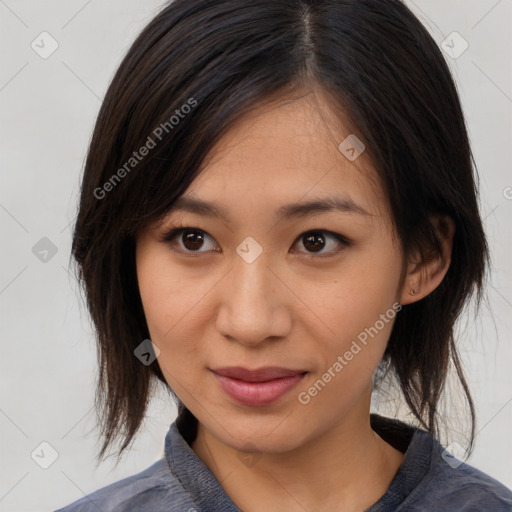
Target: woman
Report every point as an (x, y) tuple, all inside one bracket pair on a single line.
[(278, 214)]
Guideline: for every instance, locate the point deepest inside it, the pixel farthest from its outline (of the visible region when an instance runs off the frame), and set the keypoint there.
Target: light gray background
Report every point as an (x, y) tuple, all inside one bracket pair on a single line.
[(48, 362)]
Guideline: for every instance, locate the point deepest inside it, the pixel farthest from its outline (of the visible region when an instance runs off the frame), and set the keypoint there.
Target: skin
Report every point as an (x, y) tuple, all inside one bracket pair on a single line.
[(207, 307)]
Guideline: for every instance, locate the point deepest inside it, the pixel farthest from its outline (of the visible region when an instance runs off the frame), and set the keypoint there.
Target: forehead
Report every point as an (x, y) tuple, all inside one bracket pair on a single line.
[(288, 151)]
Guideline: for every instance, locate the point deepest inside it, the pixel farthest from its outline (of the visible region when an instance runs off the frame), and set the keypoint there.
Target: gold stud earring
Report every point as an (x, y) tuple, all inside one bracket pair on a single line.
[(412, 292)]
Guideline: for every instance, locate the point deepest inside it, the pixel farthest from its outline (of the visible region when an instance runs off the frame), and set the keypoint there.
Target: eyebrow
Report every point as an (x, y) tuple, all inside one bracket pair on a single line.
[(288, 211)]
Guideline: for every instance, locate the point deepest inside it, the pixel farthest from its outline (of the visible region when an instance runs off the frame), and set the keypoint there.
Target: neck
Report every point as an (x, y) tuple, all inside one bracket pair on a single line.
[(348, 467)]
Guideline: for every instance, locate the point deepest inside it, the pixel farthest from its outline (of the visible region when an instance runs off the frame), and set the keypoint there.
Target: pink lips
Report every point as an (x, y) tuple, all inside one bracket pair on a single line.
[(257, 387)]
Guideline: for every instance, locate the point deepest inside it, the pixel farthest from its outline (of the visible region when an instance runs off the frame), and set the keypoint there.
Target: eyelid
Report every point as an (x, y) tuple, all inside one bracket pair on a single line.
[(170, 235)]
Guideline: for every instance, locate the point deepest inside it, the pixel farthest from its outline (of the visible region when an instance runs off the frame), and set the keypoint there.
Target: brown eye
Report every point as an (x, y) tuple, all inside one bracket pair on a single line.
[(189, 240), (192, 240), (316, 241)]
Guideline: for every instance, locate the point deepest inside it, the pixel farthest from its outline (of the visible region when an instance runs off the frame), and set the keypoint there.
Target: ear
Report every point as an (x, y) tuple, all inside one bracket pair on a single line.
[(423, 275)]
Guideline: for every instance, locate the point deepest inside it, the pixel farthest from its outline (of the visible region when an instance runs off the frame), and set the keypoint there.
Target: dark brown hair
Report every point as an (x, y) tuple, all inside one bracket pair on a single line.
[(221, 58)]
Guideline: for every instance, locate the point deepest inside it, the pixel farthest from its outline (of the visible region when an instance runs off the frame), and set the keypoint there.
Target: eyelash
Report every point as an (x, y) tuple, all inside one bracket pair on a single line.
[(170, 236)]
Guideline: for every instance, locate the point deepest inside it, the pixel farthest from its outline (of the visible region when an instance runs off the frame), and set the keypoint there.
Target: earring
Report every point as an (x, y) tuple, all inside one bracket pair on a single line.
[(412, 292)]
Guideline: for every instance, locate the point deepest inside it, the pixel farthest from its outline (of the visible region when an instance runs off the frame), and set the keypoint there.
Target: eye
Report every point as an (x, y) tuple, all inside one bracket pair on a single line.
[(188, 240), (317, 240)]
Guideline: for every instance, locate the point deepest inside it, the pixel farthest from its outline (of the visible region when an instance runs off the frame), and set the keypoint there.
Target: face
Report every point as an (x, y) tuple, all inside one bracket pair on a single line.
[(251, 283)]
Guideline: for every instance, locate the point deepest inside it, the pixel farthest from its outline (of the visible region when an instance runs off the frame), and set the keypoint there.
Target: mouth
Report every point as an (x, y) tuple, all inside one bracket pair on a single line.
[(257, 387)]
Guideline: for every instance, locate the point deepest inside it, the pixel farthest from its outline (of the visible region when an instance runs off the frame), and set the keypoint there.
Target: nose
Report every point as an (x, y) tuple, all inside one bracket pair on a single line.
[(254, 303)]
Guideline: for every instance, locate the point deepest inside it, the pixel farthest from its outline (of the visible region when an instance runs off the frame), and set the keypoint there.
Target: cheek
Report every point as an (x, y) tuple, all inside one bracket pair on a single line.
[(174, 308), (359, 307), (167, 320), (348, 362), (166, 294), (355, 296)]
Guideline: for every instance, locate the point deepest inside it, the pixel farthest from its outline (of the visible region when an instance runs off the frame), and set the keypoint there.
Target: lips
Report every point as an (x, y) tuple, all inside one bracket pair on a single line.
[(257, 387), (261, 375)]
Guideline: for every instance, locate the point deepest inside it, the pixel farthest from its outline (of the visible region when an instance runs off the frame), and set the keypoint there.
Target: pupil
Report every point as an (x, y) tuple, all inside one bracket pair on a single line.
[(316, 244), (193, 238)]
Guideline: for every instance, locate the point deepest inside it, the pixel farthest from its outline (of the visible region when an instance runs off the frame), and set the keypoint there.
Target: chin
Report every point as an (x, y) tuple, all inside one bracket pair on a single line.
[(276, 433)]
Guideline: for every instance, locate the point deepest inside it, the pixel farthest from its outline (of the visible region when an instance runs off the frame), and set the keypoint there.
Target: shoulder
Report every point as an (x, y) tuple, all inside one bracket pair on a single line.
[(431, 478), (453, 485), (155, 488), (468, 489)]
